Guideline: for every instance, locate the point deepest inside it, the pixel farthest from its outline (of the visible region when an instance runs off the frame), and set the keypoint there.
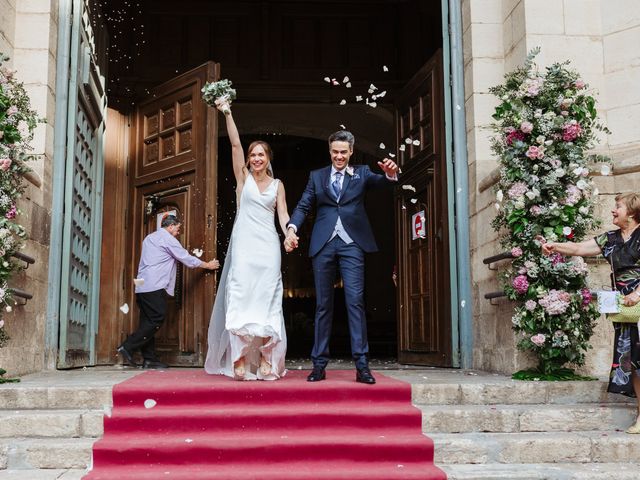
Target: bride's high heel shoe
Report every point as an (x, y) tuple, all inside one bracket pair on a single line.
[(635, 428), (239, 369), (265, 367)]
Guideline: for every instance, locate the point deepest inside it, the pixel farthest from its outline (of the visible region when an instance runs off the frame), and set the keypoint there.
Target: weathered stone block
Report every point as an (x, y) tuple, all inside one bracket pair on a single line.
[(545, 449), (25, 423), (438, 394), (483, 419), (92, 424)]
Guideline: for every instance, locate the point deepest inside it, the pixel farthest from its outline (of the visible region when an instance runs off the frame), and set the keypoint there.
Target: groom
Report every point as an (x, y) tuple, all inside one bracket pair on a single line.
[(341, 236)]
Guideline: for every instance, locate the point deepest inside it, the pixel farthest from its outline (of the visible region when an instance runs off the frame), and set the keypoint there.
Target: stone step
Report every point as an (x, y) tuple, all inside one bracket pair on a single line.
[(526, 418), (554, 447), (21, 397), (559, 471), (51, 423), (45, 453), (512, 392), (42, 474)]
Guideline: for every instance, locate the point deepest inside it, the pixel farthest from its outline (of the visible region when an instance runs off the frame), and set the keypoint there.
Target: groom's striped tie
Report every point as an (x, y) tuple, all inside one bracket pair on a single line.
[(336, 184)]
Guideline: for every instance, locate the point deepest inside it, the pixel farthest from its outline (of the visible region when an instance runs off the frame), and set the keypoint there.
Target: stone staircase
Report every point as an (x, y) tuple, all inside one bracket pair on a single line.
[(484, 426), (491, 427)]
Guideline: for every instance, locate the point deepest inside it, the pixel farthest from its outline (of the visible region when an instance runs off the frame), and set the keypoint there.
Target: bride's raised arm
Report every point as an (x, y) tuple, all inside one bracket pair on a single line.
[(237, 152)]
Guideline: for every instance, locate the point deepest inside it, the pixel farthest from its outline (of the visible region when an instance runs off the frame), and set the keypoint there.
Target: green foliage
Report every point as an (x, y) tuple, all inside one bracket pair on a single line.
[(17, 123), (544, 127)]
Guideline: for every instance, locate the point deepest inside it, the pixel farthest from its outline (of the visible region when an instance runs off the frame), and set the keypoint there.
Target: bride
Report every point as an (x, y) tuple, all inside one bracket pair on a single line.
[(247, 338)]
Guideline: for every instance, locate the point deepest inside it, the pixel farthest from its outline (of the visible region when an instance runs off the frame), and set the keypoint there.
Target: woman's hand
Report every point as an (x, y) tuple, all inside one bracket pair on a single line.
[(223, 105), (631, 299), (548, 248)]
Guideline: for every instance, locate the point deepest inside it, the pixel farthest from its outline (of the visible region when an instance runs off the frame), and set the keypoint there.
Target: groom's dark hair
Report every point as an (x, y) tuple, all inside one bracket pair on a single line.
[(342, 136)]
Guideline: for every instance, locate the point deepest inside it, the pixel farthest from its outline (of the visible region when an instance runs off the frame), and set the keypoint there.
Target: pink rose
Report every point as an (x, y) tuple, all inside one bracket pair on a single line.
[(11, 213), (530, 305), (535, 210), (5, 163), (514, 135), (539, 339), (12, 110), (579, 84), (526, 127), (521, 284), (571, 131), (535, 152), (516, 252)]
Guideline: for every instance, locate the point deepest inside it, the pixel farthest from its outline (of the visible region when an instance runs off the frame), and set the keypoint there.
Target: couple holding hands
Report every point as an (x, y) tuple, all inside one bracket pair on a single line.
[(247, 338)]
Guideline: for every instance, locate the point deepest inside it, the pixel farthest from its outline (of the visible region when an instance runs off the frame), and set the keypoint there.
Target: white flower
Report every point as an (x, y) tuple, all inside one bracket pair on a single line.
[(349, 170), (583, 210), (533, 193), (566, 230), (8, 308), (582, 184), (540, 139), (560, 172), (499, 195), (519, 203), (605, 169)]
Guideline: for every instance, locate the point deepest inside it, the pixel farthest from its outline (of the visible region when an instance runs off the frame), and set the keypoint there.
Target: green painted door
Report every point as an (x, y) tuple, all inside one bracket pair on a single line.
[(84, 167)]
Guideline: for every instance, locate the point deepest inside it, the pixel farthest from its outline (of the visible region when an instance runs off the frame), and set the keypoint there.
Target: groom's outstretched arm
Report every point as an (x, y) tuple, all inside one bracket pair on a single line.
[(389, 176), (304, 206)]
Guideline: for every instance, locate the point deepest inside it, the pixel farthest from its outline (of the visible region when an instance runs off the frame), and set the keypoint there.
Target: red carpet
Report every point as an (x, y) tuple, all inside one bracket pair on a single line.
[(212, 427)]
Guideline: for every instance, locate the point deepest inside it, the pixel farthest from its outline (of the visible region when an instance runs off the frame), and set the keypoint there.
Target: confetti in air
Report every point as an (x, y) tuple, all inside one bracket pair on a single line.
[(382, 146), (407, 141), (343, 102), (345, 80), (348, 85), (358, 98), (414, 200), (392, 155), (416, 142), (409, 187), (373, 104), (343, 127), (385, 68), (150, 403), (124, 308), (327, 79), (138, 282), (402, 148), (197, 252)]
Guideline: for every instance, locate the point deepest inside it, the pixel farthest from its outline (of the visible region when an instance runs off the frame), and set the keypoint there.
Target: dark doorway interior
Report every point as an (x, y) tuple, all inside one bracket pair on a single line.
[(294, 157)]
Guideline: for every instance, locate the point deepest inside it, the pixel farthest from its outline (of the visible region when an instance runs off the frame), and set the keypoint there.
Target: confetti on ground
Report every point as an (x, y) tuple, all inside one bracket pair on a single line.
[(150, 403), (197, 252), (188, 440), (343, 102), (409, 187), (605, 170), (382, 146), (124, 308), (138, 282)]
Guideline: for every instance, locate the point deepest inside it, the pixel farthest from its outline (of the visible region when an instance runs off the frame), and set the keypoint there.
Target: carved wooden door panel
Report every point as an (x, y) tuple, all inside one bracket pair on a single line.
[(424, 309), (174, 168)]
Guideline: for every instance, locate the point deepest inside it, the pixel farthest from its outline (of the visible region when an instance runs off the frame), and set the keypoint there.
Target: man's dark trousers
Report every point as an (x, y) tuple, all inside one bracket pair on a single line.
[(153, 310)]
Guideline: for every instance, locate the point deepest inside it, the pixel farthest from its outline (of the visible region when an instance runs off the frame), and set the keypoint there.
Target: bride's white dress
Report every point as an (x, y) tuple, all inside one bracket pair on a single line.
[(248, 304)]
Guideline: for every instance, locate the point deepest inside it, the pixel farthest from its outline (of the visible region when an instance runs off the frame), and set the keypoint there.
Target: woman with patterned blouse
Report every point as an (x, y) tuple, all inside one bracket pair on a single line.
[(621, 248)]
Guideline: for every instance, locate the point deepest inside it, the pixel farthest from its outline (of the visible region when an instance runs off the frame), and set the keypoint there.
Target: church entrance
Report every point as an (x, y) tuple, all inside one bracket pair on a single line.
[(382, 60)]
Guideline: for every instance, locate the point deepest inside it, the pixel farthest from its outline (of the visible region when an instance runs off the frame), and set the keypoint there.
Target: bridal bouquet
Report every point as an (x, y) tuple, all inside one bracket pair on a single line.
[(217, 92)]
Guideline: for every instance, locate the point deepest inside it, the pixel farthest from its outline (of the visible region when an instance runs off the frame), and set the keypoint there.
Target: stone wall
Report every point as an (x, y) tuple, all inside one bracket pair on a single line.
[(600, 41), (28, 33)]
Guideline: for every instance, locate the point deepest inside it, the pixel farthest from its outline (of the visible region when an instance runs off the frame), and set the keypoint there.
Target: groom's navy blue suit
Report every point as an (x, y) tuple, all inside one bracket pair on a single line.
[(329, 251)]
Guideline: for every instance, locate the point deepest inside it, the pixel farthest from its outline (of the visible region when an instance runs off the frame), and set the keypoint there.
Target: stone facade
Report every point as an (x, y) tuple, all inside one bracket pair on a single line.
[(600, 39), (597, 37), (28, 34)]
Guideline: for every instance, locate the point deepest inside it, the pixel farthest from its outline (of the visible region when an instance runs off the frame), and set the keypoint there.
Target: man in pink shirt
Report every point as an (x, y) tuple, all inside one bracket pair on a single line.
[(161, 252)]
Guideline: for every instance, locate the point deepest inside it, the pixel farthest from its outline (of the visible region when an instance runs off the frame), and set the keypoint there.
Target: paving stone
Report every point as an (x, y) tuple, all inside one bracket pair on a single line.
[(563, 418), (441, 394), (61, 453), (469, 419), (92, 424), (73, 397), (39, 423)]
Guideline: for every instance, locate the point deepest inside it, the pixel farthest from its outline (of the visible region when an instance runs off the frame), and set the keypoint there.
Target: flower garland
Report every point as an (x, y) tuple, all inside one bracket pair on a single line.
[(545, 124), (17, 123)]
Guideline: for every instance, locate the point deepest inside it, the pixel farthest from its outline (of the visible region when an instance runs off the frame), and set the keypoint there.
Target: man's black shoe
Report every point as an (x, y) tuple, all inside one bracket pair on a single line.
[(126, 355), (316, 375), (363, 375), (156, 364)]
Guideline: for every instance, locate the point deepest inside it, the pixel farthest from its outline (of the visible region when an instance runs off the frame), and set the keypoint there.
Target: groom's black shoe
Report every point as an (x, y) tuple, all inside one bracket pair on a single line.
[(363, 375), (316, 375), (126, 355)]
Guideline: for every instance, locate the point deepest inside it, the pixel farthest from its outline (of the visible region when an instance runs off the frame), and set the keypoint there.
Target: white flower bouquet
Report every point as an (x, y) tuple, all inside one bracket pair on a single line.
[(220, 92)]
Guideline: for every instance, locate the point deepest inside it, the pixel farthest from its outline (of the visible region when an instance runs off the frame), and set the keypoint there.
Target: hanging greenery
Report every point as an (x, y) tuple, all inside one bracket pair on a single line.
[(546, 123), (17, 123)]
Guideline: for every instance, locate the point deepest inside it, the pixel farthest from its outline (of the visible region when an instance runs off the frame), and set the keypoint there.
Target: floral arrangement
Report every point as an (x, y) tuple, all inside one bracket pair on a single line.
[(545, 124), (220, 90), (17, 123)]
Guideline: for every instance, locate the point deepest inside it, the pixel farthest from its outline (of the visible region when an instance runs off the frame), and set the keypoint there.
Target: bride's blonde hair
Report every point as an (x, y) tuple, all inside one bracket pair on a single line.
[(267, 150)]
